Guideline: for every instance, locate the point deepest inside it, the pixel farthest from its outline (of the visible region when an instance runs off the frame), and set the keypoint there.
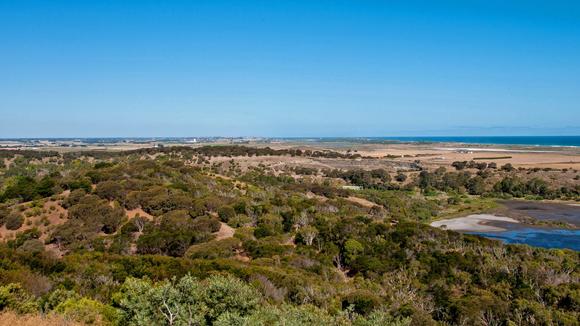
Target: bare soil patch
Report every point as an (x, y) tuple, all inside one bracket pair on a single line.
[(225, 232), (51, 215), (132, 213), (361, 201)]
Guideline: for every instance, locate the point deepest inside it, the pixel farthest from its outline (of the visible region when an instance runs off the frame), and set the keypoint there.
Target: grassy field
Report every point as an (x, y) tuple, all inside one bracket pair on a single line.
[(469, 205)]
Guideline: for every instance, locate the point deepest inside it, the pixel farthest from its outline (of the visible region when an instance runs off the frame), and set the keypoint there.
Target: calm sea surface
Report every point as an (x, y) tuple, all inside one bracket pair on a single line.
[(499, 140)]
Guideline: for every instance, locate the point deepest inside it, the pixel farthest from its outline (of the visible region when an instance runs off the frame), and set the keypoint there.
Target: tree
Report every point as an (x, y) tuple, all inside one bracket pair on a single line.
[(226, 294), (537, 186), (425, 180), (458, 165), (145, 303), (187, 301), (45, 188), (381, 174), (510, 185), (308, 233), (352, 249), (97, 214), (401, 177), (139, 222), (78, 183), (481, 166), (285, 314), (21, 187), (74, 198), (476, 186), (111, 190), (508, 167), (268, 225), (175, 233)]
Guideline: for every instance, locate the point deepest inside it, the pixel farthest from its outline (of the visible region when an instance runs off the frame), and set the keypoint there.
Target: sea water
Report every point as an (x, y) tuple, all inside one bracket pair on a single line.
[(567, 141)]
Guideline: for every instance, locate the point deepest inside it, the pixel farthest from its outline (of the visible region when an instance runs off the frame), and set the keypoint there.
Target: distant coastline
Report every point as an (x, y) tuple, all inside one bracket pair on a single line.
[(550, 141), (504, 141)]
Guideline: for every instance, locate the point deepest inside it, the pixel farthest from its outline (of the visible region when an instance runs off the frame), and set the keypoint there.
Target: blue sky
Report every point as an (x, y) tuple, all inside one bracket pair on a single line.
[(289, 68)]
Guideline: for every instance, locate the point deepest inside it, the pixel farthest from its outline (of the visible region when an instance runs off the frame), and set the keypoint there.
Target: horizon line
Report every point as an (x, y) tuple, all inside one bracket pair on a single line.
[(272, 137)]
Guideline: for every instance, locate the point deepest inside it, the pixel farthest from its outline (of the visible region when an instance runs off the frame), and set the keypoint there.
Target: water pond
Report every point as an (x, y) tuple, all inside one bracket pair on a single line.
[(518, 233)]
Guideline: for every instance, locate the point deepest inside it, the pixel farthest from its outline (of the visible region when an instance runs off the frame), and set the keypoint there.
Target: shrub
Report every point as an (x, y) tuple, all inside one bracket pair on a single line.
[(223, 294), (14, 221), (401, 177), (507, 167), (214, 249), (352, 249), (240, 220), (45, 187), (476, 186), (459, 165), (453, 200), (176, 232), (268, 225), (286, 315), (88, 311), (362, 302), (97, 213), (14, 297), (4, 212), (74, 198), (56, 297), (80, 183), (226, 213), (111, 190), (163, 303), (31, 246), (187, 301), (21, 187)]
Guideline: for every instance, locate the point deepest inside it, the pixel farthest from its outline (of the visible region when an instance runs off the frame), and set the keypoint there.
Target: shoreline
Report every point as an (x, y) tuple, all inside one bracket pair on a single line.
[(507, 141), (474, 223)]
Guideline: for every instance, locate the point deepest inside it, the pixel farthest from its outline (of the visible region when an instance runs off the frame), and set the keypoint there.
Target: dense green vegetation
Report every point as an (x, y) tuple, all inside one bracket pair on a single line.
[(511, 183), (301, 251)]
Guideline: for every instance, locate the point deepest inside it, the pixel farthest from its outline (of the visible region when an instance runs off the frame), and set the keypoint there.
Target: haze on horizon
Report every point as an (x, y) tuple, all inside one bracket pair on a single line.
[(289, 69)]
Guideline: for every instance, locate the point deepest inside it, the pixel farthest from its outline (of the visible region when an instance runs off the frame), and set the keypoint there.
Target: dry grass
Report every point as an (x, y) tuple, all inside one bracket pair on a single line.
[(11, 319)]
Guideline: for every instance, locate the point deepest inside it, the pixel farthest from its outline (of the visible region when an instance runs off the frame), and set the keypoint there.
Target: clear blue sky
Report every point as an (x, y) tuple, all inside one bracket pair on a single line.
[(289, 68)]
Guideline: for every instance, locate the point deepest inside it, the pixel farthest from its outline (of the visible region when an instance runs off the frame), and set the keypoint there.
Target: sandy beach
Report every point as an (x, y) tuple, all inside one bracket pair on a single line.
[(473, 223)]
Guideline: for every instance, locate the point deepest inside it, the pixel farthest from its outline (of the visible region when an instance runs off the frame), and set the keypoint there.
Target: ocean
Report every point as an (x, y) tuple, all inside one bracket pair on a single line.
[(567, 141)]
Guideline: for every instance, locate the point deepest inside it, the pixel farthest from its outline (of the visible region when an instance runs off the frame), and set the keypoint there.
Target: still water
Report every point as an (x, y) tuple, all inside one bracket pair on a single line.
[(546, 238), (536, 236)]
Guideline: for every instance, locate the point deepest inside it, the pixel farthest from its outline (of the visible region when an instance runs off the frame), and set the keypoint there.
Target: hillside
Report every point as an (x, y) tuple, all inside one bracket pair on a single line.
[(219, 236)]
